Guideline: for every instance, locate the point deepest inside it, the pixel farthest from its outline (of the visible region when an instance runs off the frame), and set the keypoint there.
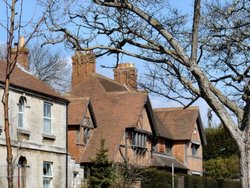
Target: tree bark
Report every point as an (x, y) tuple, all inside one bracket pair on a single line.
[(10, 171), (244, 167)]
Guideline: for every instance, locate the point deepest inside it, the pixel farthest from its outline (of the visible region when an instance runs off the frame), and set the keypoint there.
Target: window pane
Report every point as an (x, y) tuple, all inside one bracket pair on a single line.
[(47, 175), (133, 139), (144, 140), (20, 107), (47, 169), (194, 149), (46, 183), (86, 135), (47, 126), (136, 138), (47, 110), (20, 119), (139, 143)]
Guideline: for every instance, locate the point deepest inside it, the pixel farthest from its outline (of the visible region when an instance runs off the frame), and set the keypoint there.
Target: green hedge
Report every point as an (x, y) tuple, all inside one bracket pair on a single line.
[(204, 182), (153, 178)]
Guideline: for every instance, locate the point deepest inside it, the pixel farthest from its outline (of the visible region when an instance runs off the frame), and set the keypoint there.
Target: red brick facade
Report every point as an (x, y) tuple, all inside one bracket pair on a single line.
[(126, 74)]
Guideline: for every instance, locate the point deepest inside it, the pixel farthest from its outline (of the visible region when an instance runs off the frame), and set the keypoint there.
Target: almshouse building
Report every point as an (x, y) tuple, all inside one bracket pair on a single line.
[(134, 133)]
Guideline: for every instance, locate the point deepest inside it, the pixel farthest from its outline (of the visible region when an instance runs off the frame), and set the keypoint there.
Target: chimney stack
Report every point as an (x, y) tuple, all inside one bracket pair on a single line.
[(83, 64), (22, 58), (126, 73)]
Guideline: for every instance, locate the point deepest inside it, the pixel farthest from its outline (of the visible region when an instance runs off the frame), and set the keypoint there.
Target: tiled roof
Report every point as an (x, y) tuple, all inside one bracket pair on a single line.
[(176, 123), (114, 113), (159, 160), (110, 85), (99, 84), (77, 109), (24, 80)]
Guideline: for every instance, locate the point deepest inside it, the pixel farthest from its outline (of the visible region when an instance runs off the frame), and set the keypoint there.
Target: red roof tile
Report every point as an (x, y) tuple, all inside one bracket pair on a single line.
[(114, 113), (24, 80), (176, 123), (77, 109), (166, 161)]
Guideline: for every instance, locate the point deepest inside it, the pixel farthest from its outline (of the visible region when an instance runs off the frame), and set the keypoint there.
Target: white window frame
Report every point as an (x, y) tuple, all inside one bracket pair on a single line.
[(21, 103), (47, 119), (48, 177)]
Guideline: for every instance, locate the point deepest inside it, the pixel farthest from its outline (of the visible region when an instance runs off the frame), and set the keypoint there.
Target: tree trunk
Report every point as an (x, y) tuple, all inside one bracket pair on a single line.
[(9, 159), (244, 166)]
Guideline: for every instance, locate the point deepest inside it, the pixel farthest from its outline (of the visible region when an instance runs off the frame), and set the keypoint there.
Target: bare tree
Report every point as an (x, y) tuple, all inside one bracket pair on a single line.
[(206, 57), (13, 28), (50, 67)]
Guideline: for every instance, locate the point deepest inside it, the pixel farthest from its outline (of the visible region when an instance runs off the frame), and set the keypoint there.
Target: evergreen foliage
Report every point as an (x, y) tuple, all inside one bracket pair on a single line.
[(227, 168), (220, 144), (102, 172), (220, 155), (153, 178), (156, 178)]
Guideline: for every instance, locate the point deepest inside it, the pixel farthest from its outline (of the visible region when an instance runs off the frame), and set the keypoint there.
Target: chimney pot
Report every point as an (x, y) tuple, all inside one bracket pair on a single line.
[(23, 53), (21, 42)]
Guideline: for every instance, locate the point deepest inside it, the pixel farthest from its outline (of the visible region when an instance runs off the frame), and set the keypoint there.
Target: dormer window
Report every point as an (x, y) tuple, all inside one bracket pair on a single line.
[(21, 112)]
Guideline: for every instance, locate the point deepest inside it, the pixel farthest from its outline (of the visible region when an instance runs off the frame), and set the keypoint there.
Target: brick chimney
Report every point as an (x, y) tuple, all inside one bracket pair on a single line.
[(126, 73), (22, 58), (83, 64)]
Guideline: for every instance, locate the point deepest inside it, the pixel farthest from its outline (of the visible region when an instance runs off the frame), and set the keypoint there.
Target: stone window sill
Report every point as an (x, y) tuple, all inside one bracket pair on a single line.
[(23, 132), (49, 137)]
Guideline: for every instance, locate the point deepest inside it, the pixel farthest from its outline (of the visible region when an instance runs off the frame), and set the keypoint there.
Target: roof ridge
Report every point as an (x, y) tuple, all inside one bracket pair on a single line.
[(176, 108), (126, 92), (109, 79), (77, 98), (47, 89)]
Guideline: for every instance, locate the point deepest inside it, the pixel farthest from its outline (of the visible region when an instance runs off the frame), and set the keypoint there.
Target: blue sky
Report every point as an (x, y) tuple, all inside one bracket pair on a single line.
[(31, 13)]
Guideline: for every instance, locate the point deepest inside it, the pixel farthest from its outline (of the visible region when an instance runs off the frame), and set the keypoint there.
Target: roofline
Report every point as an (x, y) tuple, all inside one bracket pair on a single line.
[(34, 93), (171, 156), (92, 114), (201, 130), (173, 139), (198, 121), (149, 110), (176, 108), (109, 79)]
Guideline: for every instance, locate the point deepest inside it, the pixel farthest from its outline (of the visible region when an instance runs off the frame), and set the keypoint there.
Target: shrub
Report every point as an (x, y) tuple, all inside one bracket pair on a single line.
[(155, 178)]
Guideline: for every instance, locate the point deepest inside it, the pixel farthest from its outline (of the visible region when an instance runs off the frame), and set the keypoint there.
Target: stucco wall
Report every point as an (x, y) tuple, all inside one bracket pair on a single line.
[(33, 145), (34, 167)]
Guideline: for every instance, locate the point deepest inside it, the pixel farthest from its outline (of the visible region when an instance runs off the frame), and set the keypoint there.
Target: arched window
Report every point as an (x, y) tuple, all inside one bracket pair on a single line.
[(21, 111), (22, 162)]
